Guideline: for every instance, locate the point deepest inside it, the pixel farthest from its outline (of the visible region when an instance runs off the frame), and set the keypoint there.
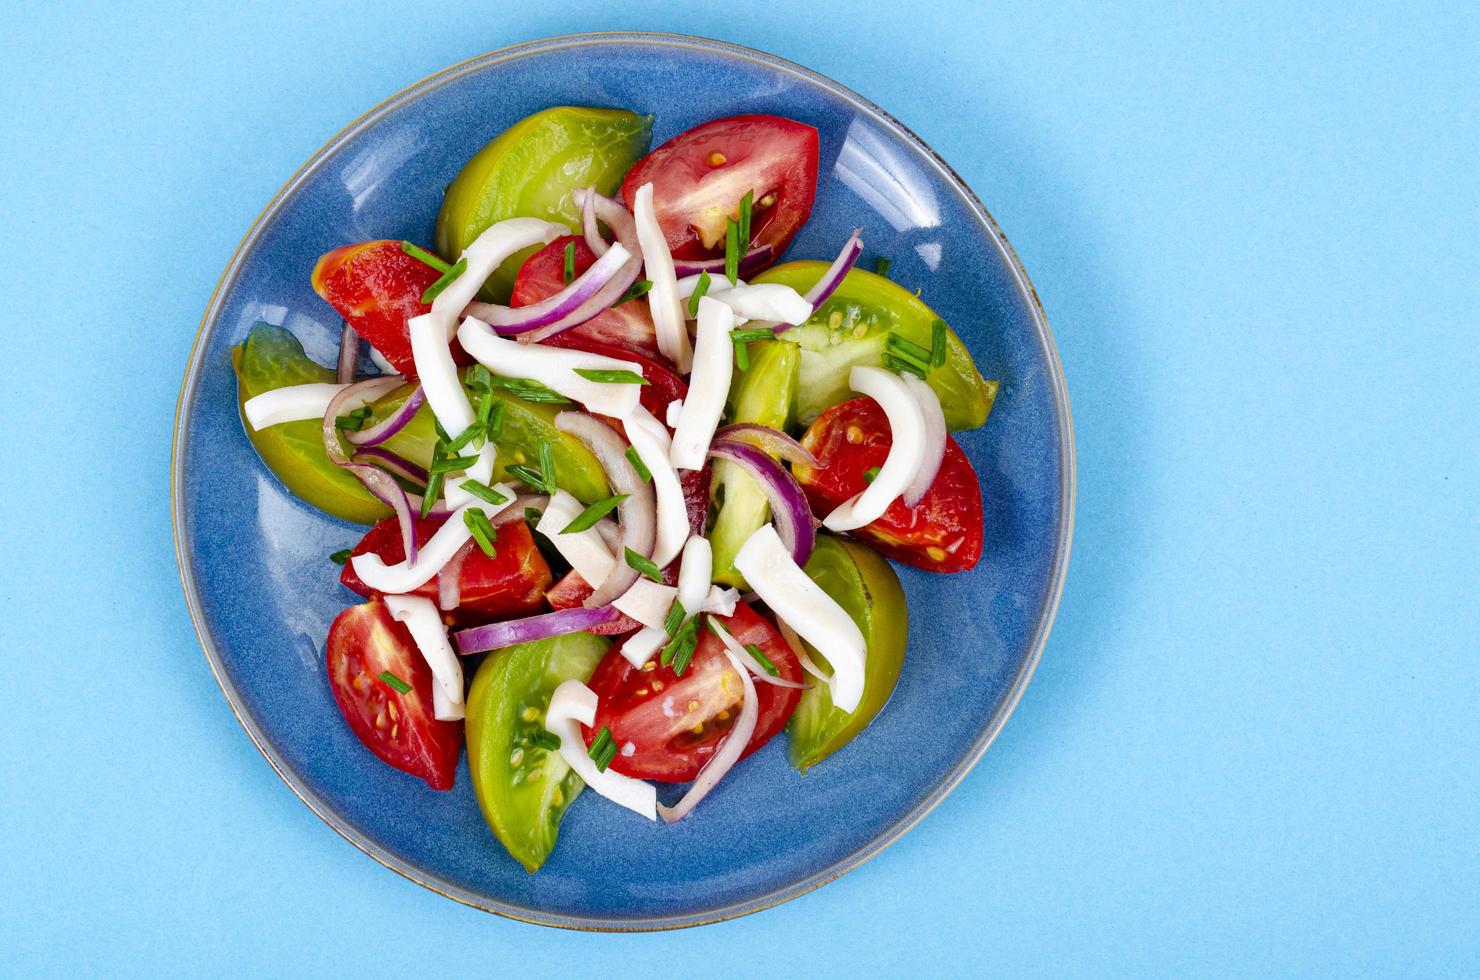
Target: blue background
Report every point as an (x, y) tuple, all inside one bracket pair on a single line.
[(1253, 744)]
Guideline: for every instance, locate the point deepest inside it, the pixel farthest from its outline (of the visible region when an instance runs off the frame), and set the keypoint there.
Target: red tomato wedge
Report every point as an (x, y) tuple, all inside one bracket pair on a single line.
[(364, 644), (628, 326), (673, 725), (507, 585), (942, 534), (699, 177), (377, 287), (572, 590)]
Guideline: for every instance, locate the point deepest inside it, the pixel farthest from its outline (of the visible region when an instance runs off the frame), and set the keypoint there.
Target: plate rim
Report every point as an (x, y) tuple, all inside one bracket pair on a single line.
[(991, 727)]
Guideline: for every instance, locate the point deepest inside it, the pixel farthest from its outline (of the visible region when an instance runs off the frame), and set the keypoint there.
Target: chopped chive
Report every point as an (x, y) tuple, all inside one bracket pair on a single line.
[(547, 465), (644, 565), (587, 518), (448, 278), (542, 739), (491, 416), (762, 659), (484, 492), (742, 356), (904, 345), (751, 334), (349, 423), (603, 749), (528, 389), (452, 464), (529, 476), (680, 649), (533, 514), (431, 493), (714, 627), (881, 265), (401, 686), (637, 289), (479, 378), (732, 250), (898, 366), (442, 436), (483, 531), (341, 556), (871, 474), (686, 641), (746, 203), (938, 342), (422, 255), (639, 465), (700, 288), (622, 377), (569, 272), (468, 435), (674, 619)]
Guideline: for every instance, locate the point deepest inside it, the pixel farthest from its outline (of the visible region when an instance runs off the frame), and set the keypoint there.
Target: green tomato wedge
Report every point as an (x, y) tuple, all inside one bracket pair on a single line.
[(271, 358), (523, 789), (530, 170), (577, 470), (853, 327), (765, 394), (865, 586)]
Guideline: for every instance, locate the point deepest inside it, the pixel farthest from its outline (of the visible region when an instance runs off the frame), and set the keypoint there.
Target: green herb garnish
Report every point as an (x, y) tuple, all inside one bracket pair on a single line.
[(746, 204), (341, 556), (608, 377), (938, 343), (422, 255), (881, 265), (528, 389), (569, 272), (542, 739), (870, 474), (587, 518), (638, 288), (644, 565), (639, 465), (751, 334), (484, 492), (401, 686), (675, 618), (603, 749), (483, 530), (547, 465), (680, 649), (533, 514), (732, 250), (700, 288), (452, 464), (354, 421), (431, 493), (448, 278), (899, 366), (762, 659)]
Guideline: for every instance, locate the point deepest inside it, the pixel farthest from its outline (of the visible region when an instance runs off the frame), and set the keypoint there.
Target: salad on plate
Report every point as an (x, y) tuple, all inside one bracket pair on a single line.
[(623, 467)]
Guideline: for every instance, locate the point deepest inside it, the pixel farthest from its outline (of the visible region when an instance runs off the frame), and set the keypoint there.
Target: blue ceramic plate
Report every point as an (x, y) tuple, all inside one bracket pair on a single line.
[(263, 593)]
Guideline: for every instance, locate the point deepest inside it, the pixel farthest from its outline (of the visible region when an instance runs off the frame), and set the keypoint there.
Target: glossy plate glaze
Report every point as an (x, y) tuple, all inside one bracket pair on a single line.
[(262, 591)]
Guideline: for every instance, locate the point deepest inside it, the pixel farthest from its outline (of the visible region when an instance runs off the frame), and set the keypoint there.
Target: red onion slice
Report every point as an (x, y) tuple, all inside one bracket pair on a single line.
[(800, 649), (771, 440), (531, 628), (789, 510), (377, 481), (752, 261), (589, 229), (349, 355), (729, 751), (833, 277), (564, 305), (637, 514), (449, 591), (392, 423), (392, 464), (935, 439)]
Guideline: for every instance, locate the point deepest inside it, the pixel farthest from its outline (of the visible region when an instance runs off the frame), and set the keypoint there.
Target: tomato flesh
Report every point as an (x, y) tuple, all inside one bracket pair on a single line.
[(628, 326), (667, 727), (700, 176), (507, 585), (377, 287), (942, 534), (401, 729)]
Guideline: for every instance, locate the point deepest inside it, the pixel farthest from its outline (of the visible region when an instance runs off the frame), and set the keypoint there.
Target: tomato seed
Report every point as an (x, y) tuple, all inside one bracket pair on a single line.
[(516, 757), (716, 159)]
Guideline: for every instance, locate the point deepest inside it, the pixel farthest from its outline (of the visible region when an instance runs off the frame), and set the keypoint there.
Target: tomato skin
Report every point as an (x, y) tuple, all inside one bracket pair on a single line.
[(700, 176), (400, 729), (377, 287), (629, 326), (943, 534), (631, 702), (572, 591), (507, 585)]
